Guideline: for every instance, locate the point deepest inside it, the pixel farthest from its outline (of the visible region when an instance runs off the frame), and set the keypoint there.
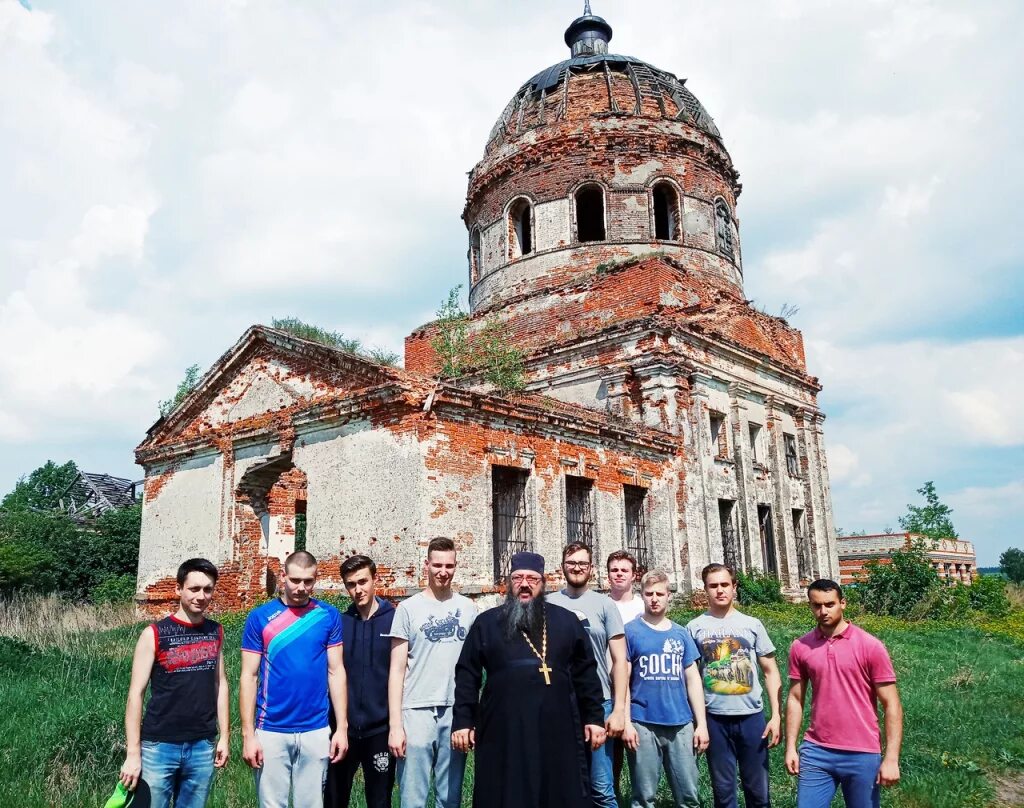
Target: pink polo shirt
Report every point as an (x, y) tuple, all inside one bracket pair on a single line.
[(843, 671)]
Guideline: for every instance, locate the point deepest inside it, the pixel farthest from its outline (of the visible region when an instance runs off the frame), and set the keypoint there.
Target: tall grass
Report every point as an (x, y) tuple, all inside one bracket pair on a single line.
[(47, 620), (63, 684)]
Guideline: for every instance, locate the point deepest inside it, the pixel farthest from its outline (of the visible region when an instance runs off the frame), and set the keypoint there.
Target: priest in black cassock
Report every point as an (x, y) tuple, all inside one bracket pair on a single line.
[(541, 705)]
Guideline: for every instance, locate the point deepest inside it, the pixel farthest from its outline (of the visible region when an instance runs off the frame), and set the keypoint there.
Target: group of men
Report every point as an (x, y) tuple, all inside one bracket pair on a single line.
[(549, 692)]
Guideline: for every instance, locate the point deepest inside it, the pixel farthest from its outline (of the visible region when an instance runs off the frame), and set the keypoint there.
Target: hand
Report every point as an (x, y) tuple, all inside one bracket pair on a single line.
[(396, 742), (339, 745), (615, 724), (888, 773), (631, 738), (131, 770), (793, 762), (252, 752), (701, 739), (220, 758), (595, 735), (464, 739), (773, 732)]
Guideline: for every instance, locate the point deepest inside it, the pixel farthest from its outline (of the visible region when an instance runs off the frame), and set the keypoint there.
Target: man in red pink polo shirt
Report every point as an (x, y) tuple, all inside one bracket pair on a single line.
[(849, 672)]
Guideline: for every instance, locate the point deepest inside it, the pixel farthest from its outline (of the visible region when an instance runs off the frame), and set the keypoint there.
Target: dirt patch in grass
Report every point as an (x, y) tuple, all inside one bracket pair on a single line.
[(1010, 789)]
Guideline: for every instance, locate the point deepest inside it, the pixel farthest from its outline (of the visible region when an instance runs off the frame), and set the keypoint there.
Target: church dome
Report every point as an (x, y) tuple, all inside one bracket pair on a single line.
[(593, 82), (598, 159)]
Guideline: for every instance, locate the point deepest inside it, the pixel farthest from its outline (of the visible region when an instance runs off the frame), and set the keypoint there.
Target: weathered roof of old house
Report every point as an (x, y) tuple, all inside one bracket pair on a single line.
[(92, 494)]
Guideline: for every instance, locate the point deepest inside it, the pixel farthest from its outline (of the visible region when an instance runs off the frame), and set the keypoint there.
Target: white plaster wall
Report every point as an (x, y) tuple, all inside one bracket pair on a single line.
[(492, 247), (364, 491), (551, 220), (183, 521), (698, 223)]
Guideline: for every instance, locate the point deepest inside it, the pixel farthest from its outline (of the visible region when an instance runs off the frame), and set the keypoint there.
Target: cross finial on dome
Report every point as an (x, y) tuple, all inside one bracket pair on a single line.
[(589, 34)]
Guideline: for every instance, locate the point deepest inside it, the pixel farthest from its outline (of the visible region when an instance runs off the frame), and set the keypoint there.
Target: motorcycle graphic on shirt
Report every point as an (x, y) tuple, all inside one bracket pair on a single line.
[(445, 628)]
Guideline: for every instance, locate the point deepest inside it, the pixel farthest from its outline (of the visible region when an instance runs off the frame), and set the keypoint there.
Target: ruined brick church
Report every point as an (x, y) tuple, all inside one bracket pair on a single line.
[(662, 412)]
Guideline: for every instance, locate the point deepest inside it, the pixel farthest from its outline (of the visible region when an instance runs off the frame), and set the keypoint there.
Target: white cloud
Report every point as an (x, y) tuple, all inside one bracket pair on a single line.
[(139, 87)]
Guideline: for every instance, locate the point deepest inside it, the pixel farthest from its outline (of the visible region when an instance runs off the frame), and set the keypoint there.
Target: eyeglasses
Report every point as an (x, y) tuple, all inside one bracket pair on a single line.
[(576, 565), (533, 580)]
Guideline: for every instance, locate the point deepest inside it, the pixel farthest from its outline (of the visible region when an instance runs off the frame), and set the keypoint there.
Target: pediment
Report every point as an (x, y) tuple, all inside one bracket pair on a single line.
[(265, 373)]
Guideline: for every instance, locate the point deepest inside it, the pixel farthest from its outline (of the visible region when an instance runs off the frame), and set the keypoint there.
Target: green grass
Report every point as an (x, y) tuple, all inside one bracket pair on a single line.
[(61, 715)]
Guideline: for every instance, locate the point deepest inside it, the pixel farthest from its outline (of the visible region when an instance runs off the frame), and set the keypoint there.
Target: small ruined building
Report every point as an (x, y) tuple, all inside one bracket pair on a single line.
[(662, 412), (953, 559), (91, 495)]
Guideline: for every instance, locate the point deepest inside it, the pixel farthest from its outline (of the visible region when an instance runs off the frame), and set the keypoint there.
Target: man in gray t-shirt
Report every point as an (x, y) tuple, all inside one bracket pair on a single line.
[(733, 646), (427, 635), (603, 623)]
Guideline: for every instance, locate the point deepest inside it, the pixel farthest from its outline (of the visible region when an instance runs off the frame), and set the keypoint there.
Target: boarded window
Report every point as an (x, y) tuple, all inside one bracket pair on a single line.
[(637, 543), (730, 541), (792, 464), (756, 452), (520, 229), (511, 525), (579, 515), (723, 228), (590, 213), (764, 522), (719, 438), (474, 256), (666, 212)]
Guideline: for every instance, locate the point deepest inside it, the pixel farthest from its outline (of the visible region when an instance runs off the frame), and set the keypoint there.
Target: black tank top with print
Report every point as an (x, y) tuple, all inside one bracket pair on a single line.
[(183, 685)]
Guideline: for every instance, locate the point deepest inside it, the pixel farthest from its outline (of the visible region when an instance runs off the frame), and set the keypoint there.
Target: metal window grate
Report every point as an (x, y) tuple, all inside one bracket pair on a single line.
[(636, 525), (579, 515), (511, 525)]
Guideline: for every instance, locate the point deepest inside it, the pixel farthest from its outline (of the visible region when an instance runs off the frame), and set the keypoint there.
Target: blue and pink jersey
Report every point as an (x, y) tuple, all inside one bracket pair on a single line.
[(292, 694)]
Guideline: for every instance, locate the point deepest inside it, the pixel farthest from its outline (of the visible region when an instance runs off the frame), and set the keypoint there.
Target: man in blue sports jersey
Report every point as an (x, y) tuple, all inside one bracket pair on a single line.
[(291, 658)]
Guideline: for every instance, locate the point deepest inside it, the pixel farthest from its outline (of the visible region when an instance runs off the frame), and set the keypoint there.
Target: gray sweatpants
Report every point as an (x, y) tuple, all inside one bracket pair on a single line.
[(296, 762), (670, 748)]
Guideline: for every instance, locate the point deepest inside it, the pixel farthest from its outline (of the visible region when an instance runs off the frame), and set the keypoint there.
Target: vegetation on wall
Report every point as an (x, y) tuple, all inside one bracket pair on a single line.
[(192, 375), (931, 519), (334, 339), (488, 351)]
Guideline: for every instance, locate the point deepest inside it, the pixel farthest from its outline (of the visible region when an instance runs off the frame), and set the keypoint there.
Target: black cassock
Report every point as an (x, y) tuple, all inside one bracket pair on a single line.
[(530, 750)]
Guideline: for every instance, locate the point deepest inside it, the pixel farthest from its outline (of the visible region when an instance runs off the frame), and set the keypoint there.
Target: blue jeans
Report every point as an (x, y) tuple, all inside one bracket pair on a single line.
[(822, 770), (183, 771), (428, 748), (668, 747), (737, 739), (602, 785)]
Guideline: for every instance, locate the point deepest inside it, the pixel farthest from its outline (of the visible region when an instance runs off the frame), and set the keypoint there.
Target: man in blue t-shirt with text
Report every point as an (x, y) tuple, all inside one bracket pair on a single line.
[(666, 726), (291, 659)]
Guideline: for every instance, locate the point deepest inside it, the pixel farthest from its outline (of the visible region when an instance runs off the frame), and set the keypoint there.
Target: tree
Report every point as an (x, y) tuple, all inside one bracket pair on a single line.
[(487, 351), (186, 386), (897, 587), (1011, 562), (931, 519), (42, 489)]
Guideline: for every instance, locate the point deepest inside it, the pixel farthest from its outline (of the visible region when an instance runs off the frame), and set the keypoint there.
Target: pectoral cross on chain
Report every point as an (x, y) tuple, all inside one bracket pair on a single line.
[(545, 670)]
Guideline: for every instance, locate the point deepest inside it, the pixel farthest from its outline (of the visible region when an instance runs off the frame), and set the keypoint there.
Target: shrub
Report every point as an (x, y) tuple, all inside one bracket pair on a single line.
[(901, 586), (114, 589), (758, 587), (988, 594)]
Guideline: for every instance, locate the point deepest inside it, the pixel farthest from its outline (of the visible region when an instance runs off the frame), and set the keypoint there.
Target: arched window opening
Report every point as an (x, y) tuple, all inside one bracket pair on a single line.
[(520, 229), (474, 255), (723, 228), (590, 213), (666, 212)]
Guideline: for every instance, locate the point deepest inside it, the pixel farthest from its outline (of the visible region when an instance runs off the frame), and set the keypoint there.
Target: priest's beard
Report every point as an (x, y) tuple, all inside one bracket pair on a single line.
[(520, 616)]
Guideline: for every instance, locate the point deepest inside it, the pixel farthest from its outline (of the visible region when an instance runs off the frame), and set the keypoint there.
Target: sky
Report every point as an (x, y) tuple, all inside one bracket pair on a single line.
[(173, 173)]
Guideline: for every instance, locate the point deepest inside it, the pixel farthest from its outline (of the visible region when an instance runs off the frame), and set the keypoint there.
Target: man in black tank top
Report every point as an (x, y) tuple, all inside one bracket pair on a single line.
[(175, 749)]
